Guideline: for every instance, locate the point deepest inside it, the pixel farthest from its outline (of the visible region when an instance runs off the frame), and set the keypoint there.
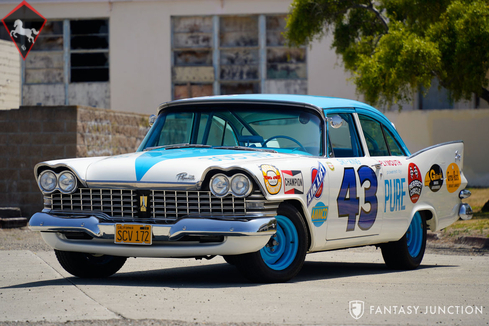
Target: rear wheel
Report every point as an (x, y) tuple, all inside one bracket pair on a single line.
[(283, 256), (89, 266), (408, 252)]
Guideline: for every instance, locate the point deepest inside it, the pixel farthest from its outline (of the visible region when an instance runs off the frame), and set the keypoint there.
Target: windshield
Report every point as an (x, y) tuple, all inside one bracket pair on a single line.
[(246, 127)]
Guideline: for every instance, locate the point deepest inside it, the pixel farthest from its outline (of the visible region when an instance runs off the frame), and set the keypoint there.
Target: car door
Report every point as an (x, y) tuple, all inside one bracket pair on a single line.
[(354, 181), (385, 149)]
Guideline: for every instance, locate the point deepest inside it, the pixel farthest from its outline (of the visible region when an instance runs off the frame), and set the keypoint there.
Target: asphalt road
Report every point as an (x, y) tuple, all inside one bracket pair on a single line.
[(447, 289)]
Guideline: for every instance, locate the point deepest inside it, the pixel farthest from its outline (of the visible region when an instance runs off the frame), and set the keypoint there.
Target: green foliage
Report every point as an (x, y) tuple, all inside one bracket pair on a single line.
[(393, 47)]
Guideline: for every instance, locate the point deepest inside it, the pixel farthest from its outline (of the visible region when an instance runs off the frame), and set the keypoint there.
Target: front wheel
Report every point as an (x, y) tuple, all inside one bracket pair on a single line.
[(283, 256), (407, 253), (89, 266)]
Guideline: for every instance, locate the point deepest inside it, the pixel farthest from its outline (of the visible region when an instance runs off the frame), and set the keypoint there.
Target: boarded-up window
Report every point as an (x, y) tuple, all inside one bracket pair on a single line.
[(85, 44), (242, 54), (45, 64), (193, 70)]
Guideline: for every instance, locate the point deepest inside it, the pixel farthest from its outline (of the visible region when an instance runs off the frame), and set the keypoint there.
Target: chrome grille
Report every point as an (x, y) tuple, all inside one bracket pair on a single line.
[(115, 203), (163, 206)]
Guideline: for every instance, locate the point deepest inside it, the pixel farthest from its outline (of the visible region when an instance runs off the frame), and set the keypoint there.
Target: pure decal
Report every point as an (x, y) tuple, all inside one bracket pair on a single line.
[(434, 178), (415, 182), (293, 182)]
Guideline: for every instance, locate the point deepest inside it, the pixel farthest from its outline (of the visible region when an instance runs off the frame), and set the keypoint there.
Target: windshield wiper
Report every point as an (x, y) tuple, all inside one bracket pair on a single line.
[(243, 148), (176, 146)]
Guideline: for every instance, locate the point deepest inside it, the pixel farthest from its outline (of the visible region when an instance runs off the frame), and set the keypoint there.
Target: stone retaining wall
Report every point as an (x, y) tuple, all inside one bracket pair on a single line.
[(33, 134)]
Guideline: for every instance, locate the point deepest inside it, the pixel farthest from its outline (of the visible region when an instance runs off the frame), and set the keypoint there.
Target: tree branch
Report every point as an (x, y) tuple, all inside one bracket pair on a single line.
[(376, 12)]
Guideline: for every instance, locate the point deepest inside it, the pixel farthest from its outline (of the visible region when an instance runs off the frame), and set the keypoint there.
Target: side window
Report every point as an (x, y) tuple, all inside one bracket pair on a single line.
[(343, 141), (394, 147), (221, 133), (380, 141), (374, 136)]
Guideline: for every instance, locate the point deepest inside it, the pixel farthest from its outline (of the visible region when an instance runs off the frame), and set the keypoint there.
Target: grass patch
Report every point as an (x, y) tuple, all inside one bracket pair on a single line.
[(478, 226)]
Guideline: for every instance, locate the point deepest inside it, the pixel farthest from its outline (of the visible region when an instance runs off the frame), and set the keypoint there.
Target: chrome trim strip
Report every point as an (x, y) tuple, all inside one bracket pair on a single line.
[(129, 185)]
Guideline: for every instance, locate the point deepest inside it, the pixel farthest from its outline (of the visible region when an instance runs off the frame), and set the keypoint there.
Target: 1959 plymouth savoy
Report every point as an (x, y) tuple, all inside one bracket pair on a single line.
[(261, 180)]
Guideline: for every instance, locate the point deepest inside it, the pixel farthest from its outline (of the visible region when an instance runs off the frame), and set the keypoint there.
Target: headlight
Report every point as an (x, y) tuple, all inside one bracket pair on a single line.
[(240, 185), (47, 181), (219, 185), (67, 182)]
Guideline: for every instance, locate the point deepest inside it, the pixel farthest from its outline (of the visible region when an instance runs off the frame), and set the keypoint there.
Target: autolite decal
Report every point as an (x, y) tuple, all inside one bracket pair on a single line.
[(293, 182), (317, 176), (272, 178)]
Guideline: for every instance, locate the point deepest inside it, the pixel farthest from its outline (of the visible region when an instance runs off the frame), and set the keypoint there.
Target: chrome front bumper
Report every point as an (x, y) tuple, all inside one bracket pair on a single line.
[(240, 236)]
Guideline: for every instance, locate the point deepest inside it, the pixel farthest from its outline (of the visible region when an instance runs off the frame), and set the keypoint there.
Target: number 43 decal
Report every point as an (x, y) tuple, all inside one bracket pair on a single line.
[(350, 207)]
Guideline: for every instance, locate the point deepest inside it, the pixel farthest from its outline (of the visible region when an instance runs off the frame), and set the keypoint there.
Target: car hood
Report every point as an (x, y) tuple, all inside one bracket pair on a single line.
[(160, 166)]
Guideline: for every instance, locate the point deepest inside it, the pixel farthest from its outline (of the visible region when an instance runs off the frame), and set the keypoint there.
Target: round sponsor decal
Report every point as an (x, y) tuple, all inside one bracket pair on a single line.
[(415, 182), (320, 188), (434, 178), (272, 178), (330, 166), (453, 178), (319, 214)]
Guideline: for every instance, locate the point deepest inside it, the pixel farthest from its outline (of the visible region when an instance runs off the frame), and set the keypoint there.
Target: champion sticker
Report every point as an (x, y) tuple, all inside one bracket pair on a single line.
[(434, 178), (272, 178), (453, 178), (317, 176), (415, 182), (293, 182)]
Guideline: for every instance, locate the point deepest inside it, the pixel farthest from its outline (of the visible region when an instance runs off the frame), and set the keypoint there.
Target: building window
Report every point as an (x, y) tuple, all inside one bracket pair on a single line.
[(89, 50), (218, 55), (69, 65)]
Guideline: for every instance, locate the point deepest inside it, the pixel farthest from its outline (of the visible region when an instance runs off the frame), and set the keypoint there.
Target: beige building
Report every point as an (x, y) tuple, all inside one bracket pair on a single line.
[(132, 55)]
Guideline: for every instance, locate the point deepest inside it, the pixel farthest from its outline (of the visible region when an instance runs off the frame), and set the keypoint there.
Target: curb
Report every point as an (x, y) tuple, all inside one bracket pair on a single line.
[(477, 242), (12, 222)]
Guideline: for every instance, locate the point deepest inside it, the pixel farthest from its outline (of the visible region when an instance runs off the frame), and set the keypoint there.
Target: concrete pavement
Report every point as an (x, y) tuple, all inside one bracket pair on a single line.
[(445, 290)]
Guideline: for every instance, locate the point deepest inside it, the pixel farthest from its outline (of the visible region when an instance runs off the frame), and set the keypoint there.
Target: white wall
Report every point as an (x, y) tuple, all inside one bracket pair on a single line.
[(9, 75)]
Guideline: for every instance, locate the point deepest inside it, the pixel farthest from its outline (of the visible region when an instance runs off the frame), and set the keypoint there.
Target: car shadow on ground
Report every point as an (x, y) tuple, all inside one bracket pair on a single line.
[(220, 275)]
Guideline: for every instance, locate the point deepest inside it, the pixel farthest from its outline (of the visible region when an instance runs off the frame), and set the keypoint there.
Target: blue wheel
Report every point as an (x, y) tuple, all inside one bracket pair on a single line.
[(414, 236), (407, 252), (282, 248), (284, 254)]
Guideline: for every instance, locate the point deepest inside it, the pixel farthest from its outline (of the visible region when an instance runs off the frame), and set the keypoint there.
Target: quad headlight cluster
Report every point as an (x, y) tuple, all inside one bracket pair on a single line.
[(239, 185), (49, 181)]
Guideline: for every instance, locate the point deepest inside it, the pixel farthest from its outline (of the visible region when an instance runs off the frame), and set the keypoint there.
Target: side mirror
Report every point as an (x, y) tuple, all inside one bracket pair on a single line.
[(152, 119), (335, 121)]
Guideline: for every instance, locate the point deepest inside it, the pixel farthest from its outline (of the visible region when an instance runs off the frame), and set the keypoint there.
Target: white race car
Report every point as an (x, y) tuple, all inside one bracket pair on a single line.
[(259, 179)]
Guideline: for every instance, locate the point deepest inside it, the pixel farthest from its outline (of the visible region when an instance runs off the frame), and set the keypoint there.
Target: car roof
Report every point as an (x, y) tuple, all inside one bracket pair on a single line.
[(321, 102)]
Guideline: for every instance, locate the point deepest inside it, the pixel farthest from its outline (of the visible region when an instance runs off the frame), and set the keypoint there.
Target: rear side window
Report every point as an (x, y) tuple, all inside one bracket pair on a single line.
[(380, 141)]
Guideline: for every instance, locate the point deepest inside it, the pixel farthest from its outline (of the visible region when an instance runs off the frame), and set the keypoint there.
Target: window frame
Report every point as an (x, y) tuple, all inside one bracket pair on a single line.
[(383, 127)]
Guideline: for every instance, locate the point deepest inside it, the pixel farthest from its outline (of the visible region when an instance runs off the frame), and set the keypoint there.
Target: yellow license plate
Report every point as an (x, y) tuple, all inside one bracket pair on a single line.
[(133, 234)]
